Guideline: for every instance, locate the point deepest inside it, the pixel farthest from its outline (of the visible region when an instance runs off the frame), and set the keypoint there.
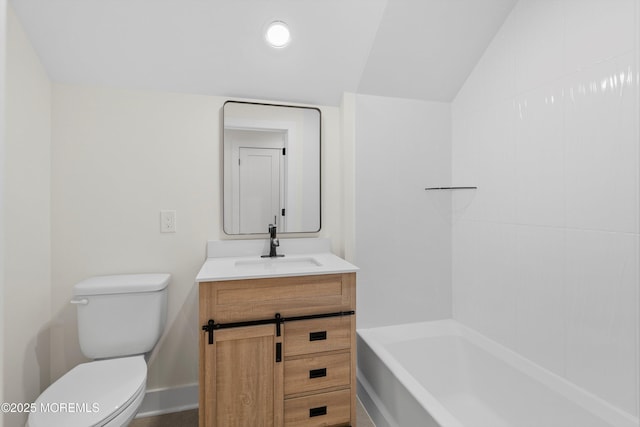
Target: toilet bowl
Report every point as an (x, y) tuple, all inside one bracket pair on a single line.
[(101, 393), (120, 319)]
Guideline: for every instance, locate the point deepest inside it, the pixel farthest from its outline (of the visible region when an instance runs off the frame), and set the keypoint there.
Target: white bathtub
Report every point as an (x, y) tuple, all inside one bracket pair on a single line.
[(442, 374)]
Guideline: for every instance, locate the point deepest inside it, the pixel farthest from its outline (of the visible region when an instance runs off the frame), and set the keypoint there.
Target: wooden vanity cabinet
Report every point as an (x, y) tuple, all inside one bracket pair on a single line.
[(303, 376)]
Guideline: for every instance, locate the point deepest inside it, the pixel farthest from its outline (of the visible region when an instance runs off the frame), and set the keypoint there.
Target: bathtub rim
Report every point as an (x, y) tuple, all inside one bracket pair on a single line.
[(377, 337), (424, 398)]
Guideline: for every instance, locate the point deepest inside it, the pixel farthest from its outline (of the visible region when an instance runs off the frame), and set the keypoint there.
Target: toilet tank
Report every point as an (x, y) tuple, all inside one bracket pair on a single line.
[(120, 315)]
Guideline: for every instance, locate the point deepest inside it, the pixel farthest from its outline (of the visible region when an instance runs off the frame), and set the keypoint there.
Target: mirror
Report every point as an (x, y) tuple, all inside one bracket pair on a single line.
[(271, 168)]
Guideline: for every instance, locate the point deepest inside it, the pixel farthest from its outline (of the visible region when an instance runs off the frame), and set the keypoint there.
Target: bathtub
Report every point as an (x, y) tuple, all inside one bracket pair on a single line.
[(443, 374)]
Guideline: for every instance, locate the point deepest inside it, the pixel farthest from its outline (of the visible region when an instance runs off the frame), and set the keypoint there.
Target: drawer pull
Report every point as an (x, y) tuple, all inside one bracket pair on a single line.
[(316, 412), (318, 373), (318, 336)]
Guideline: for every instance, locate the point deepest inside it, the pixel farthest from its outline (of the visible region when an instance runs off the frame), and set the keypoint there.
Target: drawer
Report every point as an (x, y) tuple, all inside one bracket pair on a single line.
[(256, 299), (317, 373), (316, 335), (325, 409)]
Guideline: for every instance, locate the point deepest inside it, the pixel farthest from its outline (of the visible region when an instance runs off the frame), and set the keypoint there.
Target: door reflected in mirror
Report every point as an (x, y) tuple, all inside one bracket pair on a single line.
[(271, 168)]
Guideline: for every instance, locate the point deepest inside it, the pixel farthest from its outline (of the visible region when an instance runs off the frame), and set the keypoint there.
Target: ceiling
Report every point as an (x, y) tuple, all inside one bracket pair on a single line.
[(422, 49)]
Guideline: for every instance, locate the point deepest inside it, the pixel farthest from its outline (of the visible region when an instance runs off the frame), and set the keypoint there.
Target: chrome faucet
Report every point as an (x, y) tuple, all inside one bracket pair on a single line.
[(274, 243)]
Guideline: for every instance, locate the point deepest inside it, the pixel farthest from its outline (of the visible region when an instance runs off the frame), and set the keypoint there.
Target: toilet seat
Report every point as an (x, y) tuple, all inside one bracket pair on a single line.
[(94, 394)]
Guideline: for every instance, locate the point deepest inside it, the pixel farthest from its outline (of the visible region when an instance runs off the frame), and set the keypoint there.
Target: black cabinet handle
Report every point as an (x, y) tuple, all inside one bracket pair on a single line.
[(318, 373), (318, 336), (316, 412), (278, 320), (208, 328), (278, 352)]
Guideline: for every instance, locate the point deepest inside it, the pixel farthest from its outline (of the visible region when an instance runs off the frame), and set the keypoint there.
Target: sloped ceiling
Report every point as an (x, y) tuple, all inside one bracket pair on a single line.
[(421, 49), (426, 49)]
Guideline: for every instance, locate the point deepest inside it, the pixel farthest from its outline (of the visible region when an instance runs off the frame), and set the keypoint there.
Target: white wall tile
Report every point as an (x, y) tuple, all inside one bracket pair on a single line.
[(492, 132), (498, 64), (602, 314), (602, 148), (488, 297), (463, 149), (540, 308), (540, 157), (403, 233), (597, 30), (539, 42), (465, 169), (464, 269), (494, 76), (558, 179)]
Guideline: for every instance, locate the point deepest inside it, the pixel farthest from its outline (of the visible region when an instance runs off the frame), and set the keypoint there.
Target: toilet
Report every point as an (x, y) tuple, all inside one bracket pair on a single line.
[(120, 319)]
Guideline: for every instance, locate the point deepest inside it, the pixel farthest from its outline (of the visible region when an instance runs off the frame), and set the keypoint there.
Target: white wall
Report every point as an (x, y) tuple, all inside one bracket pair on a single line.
[(118, 158), (403, 233), (348, 172), (26, 211), (545, 258)]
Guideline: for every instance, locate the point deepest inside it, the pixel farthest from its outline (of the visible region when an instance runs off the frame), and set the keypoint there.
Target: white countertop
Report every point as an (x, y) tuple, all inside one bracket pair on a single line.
[(241, 259)]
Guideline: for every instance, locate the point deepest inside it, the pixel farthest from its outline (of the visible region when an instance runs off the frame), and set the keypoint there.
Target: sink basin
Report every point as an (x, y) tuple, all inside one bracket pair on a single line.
[(276, 264)]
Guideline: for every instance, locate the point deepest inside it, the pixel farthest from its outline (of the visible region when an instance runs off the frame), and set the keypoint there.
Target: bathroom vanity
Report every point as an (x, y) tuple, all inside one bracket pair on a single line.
[(277, 339)]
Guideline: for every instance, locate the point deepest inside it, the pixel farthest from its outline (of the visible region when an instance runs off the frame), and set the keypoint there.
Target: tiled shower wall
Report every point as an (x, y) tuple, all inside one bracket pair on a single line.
[(402, 238), (546, 250)]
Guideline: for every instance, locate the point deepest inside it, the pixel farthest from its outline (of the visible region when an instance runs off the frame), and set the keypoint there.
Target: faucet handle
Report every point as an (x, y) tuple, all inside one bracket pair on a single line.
[(273, 243)]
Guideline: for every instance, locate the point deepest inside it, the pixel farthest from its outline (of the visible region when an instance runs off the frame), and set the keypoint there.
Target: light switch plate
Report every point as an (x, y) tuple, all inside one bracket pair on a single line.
[(167, 221)]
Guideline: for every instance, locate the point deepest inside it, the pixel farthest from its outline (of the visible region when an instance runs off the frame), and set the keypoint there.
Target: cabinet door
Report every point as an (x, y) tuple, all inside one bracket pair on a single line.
[(242, 380)]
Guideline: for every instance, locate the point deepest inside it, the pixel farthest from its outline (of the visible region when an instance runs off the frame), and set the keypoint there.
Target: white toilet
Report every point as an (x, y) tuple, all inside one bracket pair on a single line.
[(120, 318)]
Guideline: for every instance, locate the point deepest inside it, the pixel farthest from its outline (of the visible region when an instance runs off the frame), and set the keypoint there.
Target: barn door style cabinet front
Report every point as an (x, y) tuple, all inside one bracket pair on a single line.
[(278, 352)]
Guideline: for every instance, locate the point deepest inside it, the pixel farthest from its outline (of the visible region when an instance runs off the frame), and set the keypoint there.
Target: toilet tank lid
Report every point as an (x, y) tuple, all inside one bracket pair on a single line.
[(122, 284)]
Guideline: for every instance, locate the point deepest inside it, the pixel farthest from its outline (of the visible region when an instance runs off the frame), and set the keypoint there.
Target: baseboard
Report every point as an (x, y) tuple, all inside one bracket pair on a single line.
[(166, 400)]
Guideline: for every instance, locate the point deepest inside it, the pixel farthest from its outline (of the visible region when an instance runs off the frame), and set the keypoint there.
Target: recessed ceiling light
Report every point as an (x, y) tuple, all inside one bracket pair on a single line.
[(277, 34)]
